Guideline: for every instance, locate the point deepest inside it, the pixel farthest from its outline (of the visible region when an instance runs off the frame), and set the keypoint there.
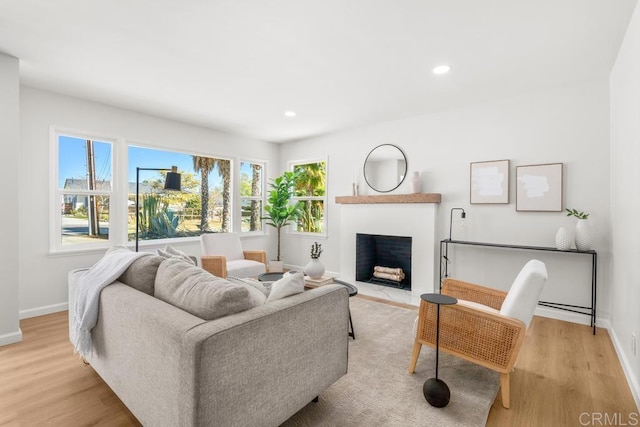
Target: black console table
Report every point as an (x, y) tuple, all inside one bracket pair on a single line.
[(588, 311)]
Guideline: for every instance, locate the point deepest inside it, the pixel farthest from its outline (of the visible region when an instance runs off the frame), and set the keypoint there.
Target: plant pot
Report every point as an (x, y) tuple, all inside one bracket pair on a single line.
[(583, 235), (314, 269), (276, 266), (563, 239)]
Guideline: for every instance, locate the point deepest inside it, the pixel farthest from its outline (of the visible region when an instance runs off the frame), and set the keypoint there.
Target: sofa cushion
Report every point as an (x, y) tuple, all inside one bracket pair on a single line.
[(199, 292), (290, 284), (141, 274), (257, 292)]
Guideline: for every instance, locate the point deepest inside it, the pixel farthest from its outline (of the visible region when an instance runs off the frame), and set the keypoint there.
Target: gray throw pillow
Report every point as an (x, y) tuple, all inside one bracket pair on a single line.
[(199, 292), (257, 292), (170, 251), (141, 274)]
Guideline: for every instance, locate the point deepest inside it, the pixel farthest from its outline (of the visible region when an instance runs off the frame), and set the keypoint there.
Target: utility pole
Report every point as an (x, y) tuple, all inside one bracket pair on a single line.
[(92, 209)]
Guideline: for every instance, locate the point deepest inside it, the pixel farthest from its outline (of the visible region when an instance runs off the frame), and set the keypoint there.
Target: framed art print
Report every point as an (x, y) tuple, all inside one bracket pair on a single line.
[(539, 188), (489, 182)]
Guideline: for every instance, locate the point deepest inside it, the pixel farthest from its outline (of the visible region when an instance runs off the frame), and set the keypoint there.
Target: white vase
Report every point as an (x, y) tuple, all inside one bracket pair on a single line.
[(416, 185), (583, 235), (314, 269), (563, 239)]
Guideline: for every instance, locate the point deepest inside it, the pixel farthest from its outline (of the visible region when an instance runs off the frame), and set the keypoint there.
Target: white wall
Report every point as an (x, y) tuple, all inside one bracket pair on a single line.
[(625, 200), (43, 277), (568, 125), (9, 218)]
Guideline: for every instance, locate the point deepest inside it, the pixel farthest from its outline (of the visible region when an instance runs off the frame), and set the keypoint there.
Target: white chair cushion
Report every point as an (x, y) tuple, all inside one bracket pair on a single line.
[(245, 268), (225, 244), (525, 291)]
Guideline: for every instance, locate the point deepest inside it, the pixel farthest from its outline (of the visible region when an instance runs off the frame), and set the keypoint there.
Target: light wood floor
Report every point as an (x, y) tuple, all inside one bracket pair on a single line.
[(563, 371)]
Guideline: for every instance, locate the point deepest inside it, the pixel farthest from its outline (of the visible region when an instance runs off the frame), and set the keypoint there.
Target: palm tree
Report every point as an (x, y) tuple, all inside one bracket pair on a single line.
[(255, 191), (311, 180), (204, 165), (224, 170)]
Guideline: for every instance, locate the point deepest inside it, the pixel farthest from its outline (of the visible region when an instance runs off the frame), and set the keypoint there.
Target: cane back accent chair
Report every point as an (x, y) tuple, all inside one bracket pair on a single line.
[(222, 256), (487, 326)]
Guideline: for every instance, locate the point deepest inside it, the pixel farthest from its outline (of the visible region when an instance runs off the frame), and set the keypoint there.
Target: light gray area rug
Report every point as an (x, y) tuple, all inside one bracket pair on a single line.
[(378, 390)]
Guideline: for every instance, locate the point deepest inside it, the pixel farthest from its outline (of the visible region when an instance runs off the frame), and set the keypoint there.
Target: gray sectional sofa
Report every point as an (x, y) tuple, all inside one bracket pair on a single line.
[(253, 368)]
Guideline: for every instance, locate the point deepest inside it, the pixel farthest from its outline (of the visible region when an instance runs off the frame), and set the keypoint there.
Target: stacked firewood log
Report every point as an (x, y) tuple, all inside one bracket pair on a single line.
[(394, 274)]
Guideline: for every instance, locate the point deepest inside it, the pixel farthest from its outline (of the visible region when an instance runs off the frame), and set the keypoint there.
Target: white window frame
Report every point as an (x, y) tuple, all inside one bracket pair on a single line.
[(291, 165), (56, 193), (261, 198)]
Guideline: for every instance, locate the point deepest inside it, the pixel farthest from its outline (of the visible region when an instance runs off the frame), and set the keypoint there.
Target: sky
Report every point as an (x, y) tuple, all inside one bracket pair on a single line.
[(72, 162)]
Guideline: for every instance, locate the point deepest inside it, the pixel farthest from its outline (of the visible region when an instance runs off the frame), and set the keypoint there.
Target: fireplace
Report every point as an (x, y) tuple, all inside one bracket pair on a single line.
[(412, 215), (384, 260)]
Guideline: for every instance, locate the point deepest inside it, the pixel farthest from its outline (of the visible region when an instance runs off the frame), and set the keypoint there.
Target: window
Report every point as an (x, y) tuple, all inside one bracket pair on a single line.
[(83, 192), (311, 191), (251, 191), (203, 205)]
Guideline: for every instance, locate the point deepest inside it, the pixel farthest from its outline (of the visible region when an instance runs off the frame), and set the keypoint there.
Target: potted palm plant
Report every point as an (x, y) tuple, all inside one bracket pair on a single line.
[(280, 212)]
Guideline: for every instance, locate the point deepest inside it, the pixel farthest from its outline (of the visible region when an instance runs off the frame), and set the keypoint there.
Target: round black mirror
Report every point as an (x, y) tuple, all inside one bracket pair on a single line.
[(385, 168)]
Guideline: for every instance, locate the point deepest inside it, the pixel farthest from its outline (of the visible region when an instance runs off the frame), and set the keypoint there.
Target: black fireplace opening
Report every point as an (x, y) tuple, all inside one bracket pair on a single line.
[(384, 260)]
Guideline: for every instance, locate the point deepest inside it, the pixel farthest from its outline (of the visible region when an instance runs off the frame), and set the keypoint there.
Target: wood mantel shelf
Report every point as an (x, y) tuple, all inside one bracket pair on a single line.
[(390, 198)]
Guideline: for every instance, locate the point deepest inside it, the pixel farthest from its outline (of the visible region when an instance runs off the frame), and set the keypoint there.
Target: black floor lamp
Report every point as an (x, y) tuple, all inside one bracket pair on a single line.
[(171, 182)]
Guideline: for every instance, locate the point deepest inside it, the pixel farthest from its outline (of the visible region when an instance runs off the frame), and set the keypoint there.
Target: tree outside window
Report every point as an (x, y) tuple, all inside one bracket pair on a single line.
[(311, 191), (203, 205), (251, 186)]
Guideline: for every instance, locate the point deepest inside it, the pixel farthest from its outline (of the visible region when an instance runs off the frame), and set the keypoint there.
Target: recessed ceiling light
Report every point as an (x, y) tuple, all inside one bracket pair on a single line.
[(290, 113), (441, 69)]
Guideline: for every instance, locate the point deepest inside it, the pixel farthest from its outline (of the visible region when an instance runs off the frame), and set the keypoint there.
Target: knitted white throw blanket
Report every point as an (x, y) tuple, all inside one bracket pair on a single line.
[(88, 289)]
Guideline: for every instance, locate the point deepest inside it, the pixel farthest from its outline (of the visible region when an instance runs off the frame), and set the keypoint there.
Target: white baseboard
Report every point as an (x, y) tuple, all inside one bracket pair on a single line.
[(626, 366), (41, 311), (11, 338)]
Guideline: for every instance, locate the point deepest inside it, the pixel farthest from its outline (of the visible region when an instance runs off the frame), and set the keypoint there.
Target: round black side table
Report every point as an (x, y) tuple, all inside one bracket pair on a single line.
[(435, 390)]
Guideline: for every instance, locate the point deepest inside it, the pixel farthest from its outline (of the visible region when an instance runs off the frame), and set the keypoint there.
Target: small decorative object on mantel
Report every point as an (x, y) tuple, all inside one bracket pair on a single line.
[(416, 184), (583, 232), (563, 239), (314, 269)]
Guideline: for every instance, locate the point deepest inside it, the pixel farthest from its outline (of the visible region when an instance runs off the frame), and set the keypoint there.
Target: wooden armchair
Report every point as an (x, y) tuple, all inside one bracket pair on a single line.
[(222, 256), (486, 326)]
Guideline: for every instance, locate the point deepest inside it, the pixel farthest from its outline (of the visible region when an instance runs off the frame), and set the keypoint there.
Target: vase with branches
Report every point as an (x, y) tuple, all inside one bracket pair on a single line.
[(583, 233)]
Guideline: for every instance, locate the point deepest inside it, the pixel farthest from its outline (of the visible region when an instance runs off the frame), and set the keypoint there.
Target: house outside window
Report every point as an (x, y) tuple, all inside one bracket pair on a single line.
[(83, 191), (311, 192), (204, 204), (251, 195)]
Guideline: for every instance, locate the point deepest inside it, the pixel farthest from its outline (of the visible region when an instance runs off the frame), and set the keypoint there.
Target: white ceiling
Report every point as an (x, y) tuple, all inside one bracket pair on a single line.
[(238, 65)]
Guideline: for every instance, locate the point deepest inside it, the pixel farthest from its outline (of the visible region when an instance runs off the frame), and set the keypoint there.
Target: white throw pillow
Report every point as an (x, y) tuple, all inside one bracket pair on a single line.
[(290, 284)]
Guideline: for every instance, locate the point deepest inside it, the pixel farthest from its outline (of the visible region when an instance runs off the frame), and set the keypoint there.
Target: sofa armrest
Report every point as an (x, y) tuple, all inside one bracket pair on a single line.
[(471, 292), (282, 354), (215, 264), (137, 351), (260, 256)]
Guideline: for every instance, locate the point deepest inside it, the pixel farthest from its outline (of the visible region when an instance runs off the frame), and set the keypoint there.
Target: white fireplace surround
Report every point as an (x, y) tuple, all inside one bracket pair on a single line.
[(415, 220)]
